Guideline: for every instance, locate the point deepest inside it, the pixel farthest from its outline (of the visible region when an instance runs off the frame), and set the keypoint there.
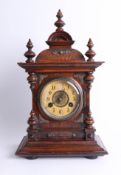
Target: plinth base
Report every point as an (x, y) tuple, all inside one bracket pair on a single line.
[(55, 148)]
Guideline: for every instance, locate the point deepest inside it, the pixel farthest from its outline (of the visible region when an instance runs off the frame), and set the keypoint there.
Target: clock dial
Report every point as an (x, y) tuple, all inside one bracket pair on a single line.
[(59, 98)]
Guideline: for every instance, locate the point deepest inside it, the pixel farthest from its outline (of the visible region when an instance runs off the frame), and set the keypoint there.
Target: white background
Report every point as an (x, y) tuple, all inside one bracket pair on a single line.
[(24, 19)]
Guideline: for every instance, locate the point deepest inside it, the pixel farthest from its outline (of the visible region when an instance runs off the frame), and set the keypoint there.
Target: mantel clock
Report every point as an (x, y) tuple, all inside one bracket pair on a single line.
[(60, 122)]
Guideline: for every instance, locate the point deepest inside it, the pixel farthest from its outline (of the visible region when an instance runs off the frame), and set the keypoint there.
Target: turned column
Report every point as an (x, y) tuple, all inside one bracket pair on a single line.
[(89, 130), (32, 79)]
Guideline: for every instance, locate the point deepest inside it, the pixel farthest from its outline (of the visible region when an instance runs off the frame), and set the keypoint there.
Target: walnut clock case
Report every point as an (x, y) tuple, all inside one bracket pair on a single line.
[(60, 78)]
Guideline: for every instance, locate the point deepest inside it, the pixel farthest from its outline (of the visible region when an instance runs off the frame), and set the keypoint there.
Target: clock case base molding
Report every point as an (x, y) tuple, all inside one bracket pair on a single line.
[(58, 148)]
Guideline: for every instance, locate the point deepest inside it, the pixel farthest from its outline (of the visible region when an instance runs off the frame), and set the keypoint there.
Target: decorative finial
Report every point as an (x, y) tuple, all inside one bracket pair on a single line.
[(59, 23), (29, 54), (90, 53)]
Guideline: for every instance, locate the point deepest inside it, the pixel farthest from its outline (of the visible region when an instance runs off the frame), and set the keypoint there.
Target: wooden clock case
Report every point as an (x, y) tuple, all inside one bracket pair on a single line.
[(74, 136)]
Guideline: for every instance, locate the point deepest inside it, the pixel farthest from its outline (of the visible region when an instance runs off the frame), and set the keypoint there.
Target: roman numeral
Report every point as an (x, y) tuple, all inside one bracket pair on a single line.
[(53, 87)]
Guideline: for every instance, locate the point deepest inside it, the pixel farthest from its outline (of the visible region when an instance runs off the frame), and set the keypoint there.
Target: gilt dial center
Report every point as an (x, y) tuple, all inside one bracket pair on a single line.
[(60, 98)]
